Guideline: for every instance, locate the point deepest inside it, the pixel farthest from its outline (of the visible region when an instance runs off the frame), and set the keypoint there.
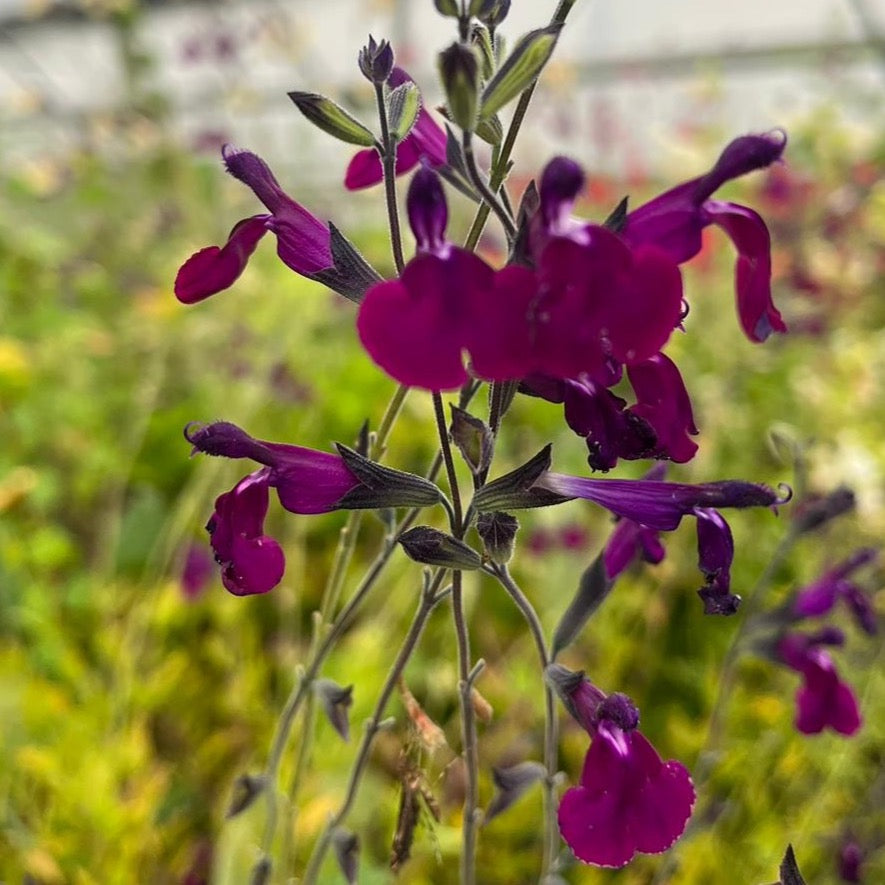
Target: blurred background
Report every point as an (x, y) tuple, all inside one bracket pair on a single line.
[(134, 690)]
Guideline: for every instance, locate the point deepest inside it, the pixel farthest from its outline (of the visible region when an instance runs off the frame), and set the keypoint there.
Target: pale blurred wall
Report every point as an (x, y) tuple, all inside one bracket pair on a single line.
[(629, 73)]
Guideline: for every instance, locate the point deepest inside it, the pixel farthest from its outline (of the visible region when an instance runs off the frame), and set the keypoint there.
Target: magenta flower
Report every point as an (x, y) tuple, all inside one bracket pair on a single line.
[(426, 141), (416, 327), (628, 800), (303, 241), (819, 598), (307, 481), (662, 402), (823, 700), (674, 221), (251, 562)]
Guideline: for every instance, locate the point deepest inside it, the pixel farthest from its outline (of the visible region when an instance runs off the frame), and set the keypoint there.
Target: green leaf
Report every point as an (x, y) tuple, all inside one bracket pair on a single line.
[(522, 66), (593, 587), (331, 118), (403, 105)]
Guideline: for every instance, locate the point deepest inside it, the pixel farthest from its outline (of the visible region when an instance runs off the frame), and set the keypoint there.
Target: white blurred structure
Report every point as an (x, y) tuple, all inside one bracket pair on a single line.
[(627, 74)]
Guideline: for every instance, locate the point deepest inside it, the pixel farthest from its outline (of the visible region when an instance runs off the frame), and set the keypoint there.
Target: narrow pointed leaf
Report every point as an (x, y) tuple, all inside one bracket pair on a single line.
[(593, 587), (332, 118), (617, 220), (789, 871)]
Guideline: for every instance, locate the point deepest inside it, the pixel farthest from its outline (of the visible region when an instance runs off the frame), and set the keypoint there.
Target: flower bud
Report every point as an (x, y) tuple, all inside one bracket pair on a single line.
[(459, 71), (376, 61), (433, 547), (498, 532), (335, 702)]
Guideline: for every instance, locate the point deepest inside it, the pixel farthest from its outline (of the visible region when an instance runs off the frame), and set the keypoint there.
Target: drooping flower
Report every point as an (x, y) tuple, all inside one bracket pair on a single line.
[(426, 141), (303, 241), (659, 505), (823, 700), (715, 555), (306, 481), (628, 800), (251, 562), (674, 222)]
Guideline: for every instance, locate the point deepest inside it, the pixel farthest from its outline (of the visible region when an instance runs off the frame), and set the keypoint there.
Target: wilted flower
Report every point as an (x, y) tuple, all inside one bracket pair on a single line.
[(307, 481), (628, 800)]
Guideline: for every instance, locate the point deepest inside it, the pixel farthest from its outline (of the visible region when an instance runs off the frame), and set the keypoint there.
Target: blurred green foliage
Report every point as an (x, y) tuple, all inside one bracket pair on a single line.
[(129, 709)]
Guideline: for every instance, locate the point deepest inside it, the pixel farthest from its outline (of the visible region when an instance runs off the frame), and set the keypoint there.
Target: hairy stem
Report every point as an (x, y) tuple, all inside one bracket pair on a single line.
[(551, 724), (388, 163), (488, 195), (429, 599)]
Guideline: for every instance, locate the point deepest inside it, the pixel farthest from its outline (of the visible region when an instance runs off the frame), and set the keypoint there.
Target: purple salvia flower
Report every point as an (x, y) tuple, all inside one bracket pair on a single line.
[(196, 572), (850, 861), (659, 505), (307, 481), (823, 700), (628, 800), (819, 598), (251, 562), (426, 141), (303, 241), (715, 555), (416, 327), (674, 221)]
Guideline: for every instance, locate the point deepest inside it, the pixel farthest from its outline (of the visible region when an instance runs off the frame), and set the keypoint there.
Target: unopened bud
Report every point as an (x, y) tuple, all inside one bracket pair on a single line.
[(459, 71), (481, 707), (498, 532), (376, 61), (335, 701), (433, 547)]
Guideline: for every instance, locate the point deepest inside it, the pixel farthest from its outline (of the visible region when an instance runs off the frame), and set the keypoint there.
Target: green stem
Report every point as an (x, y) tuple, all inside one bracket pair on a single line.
[(466, 675), (490, 198), (429, 600), (551, 724), (388, 163), (500, 168)]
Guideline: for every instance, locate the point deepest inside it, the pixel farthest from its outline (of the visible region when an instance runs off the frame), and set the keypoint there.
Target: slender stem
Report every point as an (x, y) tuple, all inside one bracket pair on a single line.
[(485, 191), (429, 599), (468, 734), (388, 163), (501, 167), (551, 724), (445, 446)]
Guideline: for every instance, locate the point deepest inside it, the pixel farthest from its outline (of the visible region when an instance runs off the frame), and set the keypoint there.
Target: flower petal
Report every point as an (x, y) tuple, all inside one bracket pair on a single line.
[(416, 327), (213, 269), (363, 170), (756, 311)]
